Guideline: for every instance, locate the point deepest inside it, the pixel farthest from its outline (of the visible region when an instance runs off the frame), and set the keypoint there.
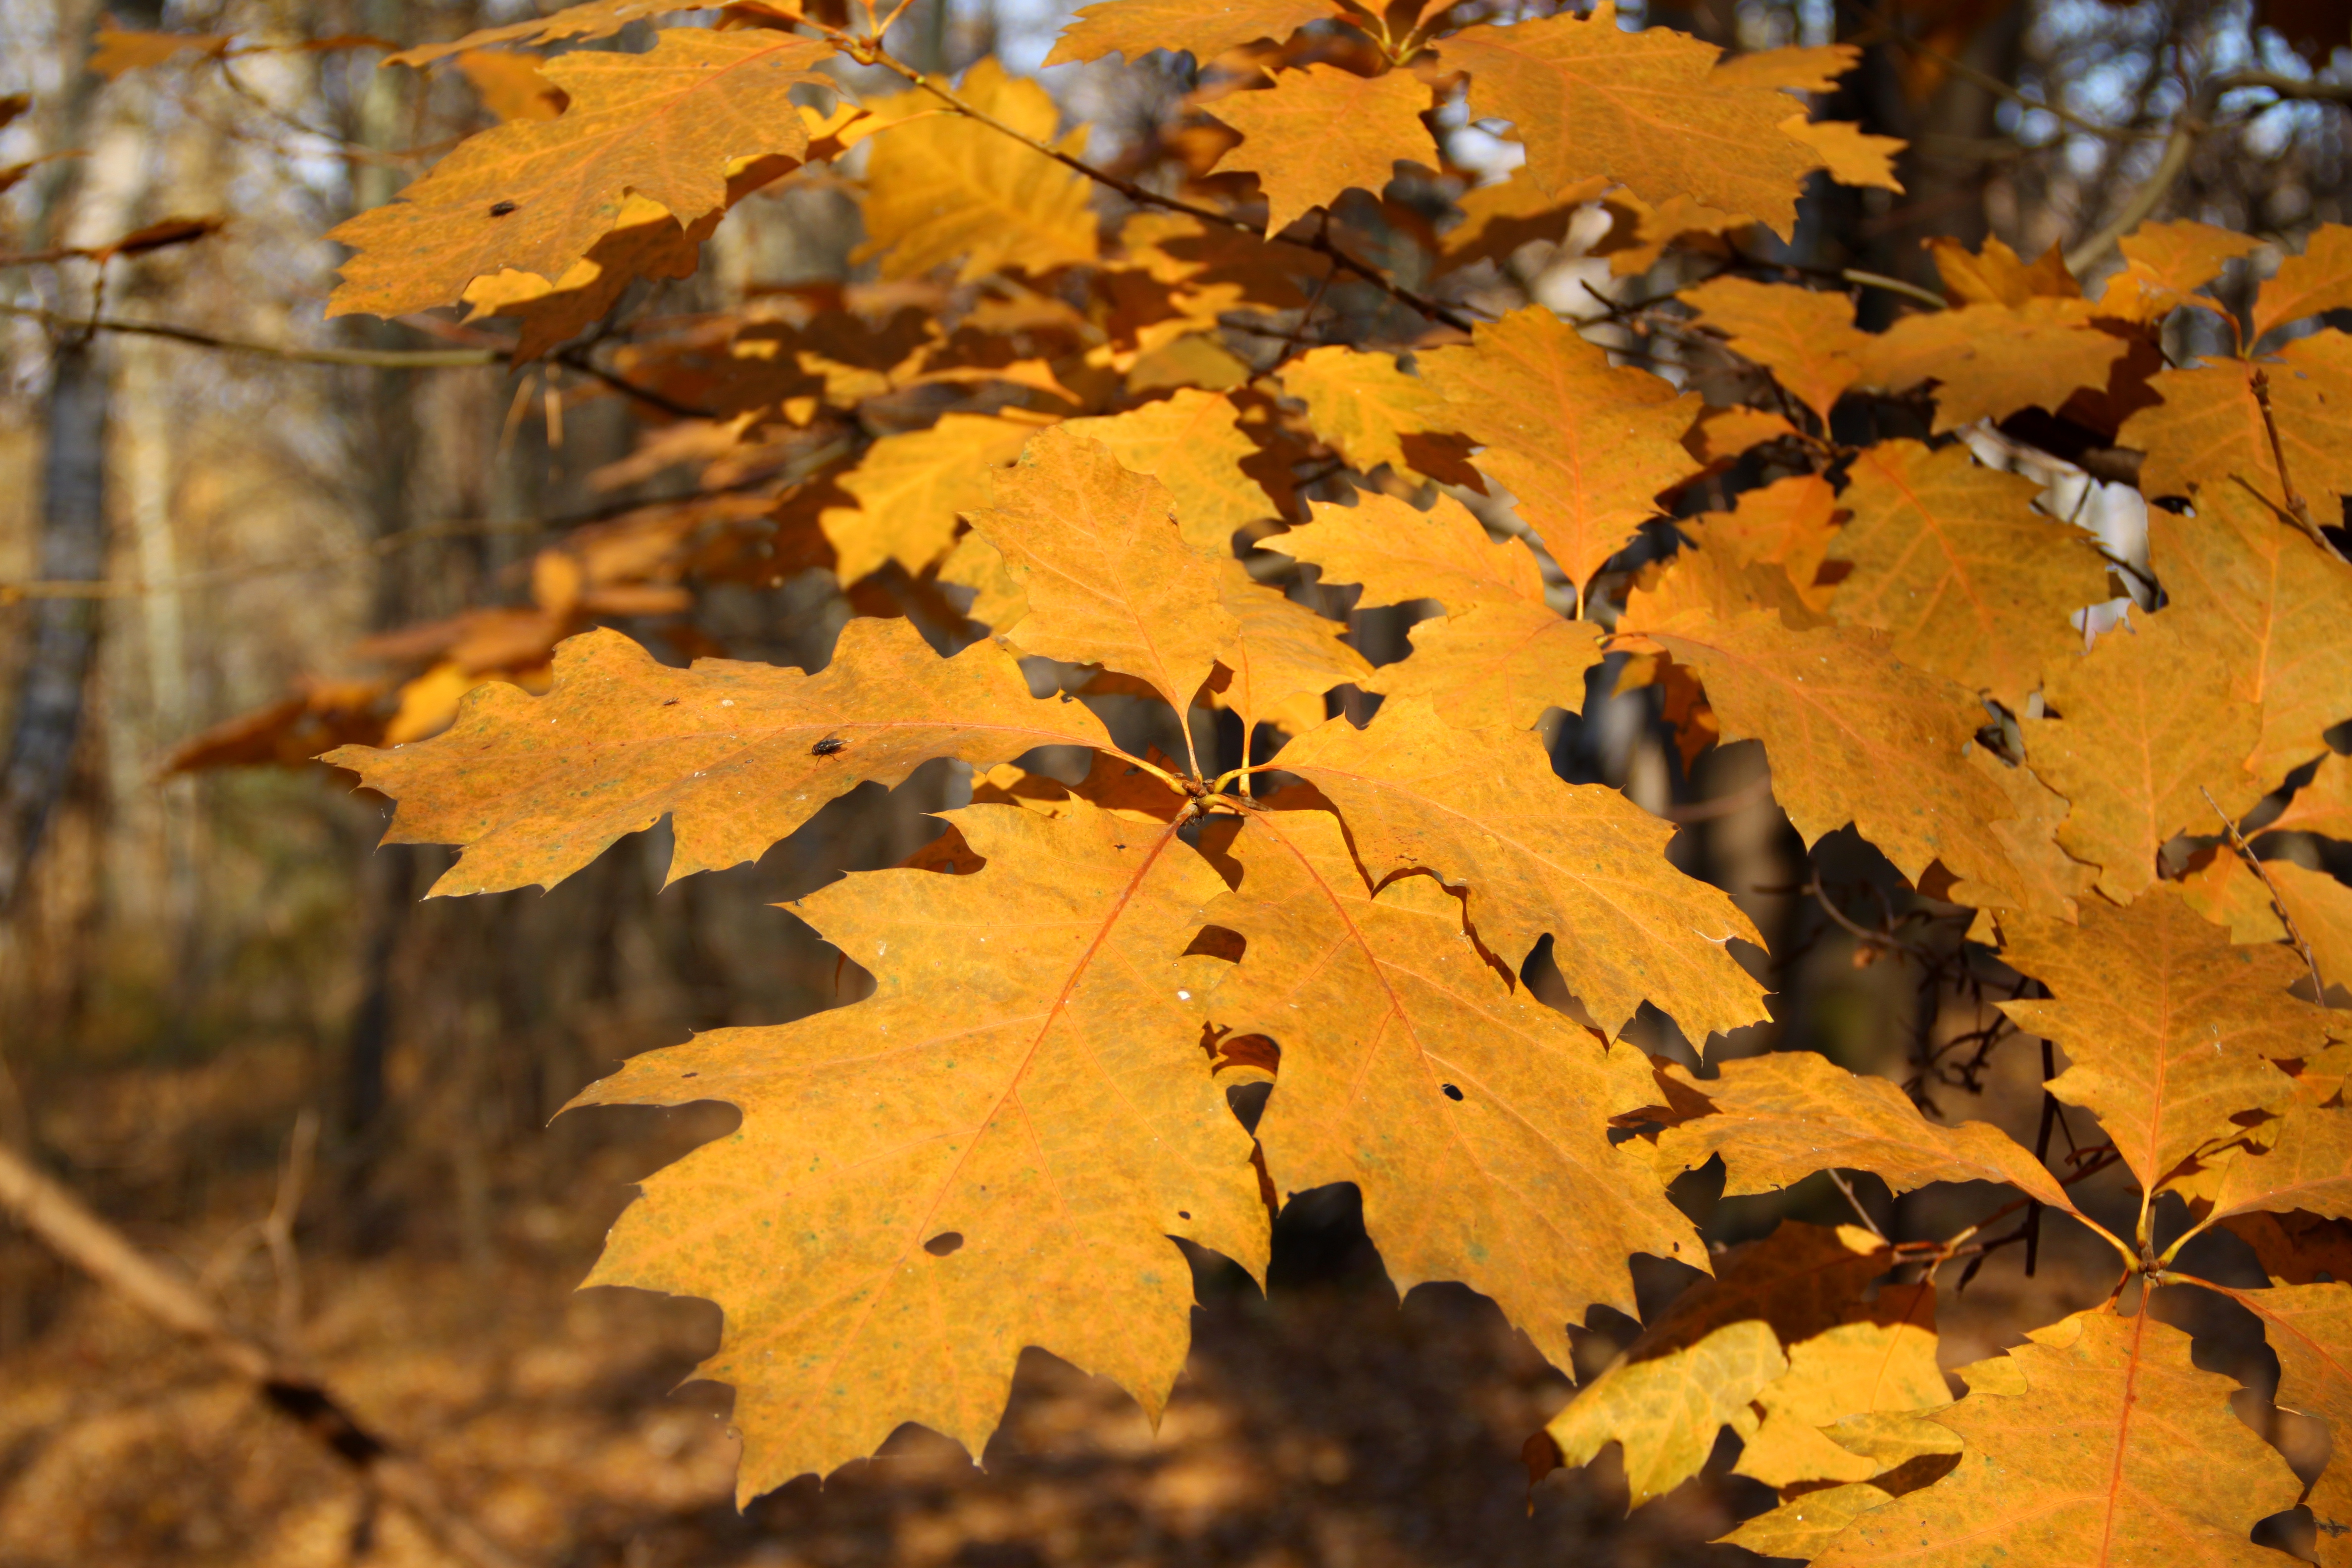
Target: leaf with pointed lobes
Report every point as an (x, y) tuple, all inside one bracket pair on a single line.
[(1503, 664), (2322, 806), (1805, 337), (1721, 1343), (1400, 553), (1791, 523), (2177, 258), (939, 191), (2318, 280), (2147, 727), (1778, 1119), (1839, 716), (1474, 1118), (1878, 1361), (1363, 404), (2207, 438), (533, 788), (911, 488), (1796, 68), (589, 20), (537, 194), (1990, 360), (2310, 1329), (2275, 604), (918, 1191), (2172, 1032), (1588, 98), (1582, 444), (2078, 1459), (2299, 1160), (1483, 809), (1950, 560), (1283, 659), (1194, 443), (1322, 130), (1849, 154), (1135, 27), (1109, 577)]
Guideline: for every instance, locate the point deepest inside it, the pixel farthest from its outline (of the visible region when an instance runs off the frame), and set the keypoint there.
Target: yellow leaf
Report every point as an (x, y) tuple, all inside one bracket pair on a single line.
[(1805, 337), (940, 191), (2176, 259), (1990, 360), (2321, 909), (1323, 130), (911, 488), (1194, 443), (2323, 805), (645, 242), (1851, 155), (587, 19), (926, 1191), (1482, 808), (118, 51), (1283, 658), (1881, 1361), (2207, 436), (1363, 404), (2310, 1328), (536, 195), (509, 84), (2318, 280), (1400, 553), (1798, 68), (1136, 27), (533, 788), (1504, 663), (1791, 523), (1588, 98), (1497, 219)]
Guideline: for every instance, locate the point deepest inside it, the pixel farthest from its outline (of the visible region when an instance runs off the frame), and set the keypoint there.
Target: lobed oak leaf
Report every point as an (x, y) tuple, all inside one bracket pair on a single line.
[(2207, 434), (1879, 1361), (2322, 806), (1779, 1118), (1194, 443), (1794, 68), (910, 489), (536, 195), (1363, 404), (1483, 809), (917, 1192), (2171, 1031), (1473, 1118), (2082, 1463), (2299, 1160), (1498, 218), (2321, 908), (2317, 281), (1400, 553), (1950, 558), (1587, 98), (2177, 258), (1996, 275), (2147, 731), (1108, 577), (1790, 523), (1710, 1353), (1848, 153), (2274, 603), (1990, 360), (587, 19), (1720, 434), (1642, 231), (2297, 1249), (534, 788), (645, 242), (1284, 656), (939, 193), (1582, 444), (1804, 1527), (2310, 1329), (1135, 27), (1322, 130), (2219, 886), (1500, 664), (1805, 337)]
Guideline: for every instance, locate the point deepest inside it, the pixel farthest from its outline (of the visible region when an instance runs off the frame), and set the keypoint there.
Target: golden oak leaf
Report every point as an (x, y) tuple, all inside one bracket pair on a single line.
[(1881, 1361), (533, 788), (1642, 231), (2171, 1030), (536, 195), (2321, 908), (2081, 1464), (2275, 604), (998, 602), (2219, 886), (1720, 1343), (1400, 553), (2181, 257), (2208, 434), (645, 242), (1720, 434), (1588, 98), (2322, 806), (1498, 218), (916, 1193), (1582, 444), (1779, 1118), (1483, 808), (2299, 1160), (1848, 153), (1996, 275), (1504, 663), (1108, 577), (588, 19), (1797, 67), (1951, 561), (2297, 1249), (910, 489), (1194, 443), (1323, 130), (2146, 729), (1363, 404), (1804, 1526), (1839, 716), (1805, 337), (1474, 1118), (1713, 583), (1990, 360), (2044, 877), (2310, 1329), (1136, 27), (509, 85), (1285, 657), (1790, 523), (2318, 280), (938, 194)]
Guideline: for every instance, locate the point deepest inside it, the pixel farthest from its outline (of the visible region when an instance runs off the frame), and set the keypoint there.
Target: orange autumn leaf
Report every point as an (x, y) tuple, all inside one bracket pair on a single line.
[(1136, 27), (1400, 553), (1323, 130), (1194, 443), (1363, 404), (1805, 337), (2207, 434), (1506, 662), (910, 489), (586, 19), (2309, 284)]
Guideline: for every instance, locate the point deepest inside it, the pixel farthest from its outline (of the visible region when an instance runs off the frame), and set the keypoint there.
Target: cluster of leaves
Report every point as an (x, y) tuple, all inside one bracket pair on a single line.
[(1035, 432)]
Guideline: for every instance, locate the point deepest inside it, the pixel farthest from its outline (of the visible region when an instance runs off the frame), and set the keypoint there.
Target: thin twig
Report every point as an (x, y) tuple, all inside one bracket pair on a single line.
[(2278, 905), (1847, 1188)]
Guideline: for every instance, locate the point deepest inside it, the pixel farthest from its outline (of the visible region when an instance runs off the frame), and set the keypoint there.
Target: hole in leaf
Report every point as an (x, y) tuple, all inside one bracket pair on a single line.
[(500, 209), (1450, 1092), (947, 1241)]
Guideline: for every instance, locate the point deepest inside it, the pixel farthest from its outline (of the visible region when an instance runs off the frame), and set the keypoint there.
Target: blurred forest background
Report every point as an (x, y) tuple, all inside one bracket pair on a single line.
[(226, 1018)]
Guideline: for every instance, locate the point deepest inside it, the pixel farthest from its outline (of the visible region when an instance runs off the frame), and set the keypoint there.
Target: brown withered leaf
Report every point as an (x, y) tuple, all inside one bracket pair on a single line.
[(537, 194), (1483, 808), (1805, 337), (1194, 443), (1778, 1119), (1582, 444), (1135, 27), (1322, 130), (1505, 662), (2171, 1031), (1400, 553), (1590, 98), (1109, 579), (533, 788), (916, 1193), (2081, 1464), (1950, 560), (1474, 1118)]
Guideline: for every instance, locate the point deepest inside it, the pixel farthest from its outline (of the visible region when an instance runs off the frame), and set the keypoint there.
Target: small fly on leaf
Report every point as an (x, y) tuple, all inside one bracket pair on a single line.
[(500, 209), (827, 746)]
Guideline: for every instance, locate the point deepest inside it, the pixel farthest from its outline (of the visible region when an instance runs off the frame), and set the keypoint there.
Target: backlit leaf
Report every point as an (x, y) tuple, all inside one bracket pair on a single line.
[(1323, 130), (1400, 553), (911, 488), (1193, 442), (1362, 404), (1506, 663), (1136, 27), (1805, 337)]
